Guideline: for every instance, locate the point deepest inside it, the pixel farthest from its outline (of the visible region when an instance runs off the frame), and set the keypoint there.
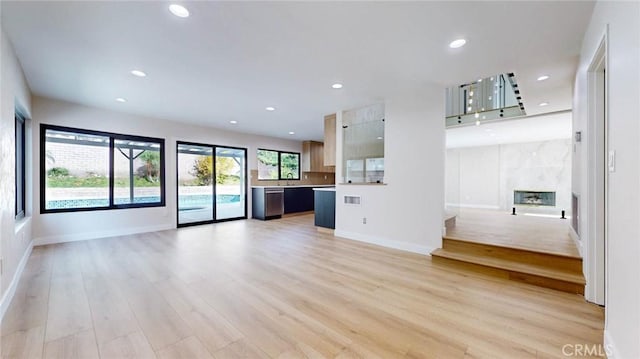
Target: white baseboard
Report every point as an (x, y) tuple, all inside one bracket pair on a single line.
[(11, 290), (576, 240), (470, 205), (383, 242), (41, 241), (610, 347)]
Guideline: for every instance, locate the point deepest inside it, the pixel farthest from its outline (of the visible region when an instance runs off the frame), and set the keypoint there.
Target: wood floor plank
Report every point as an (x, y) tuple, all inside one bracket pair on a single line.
[(187, 348), (68, 311), (134, 345), (277, 289), (214, 331), (28, 343), (81, 345), (239, 350), (160, 323)]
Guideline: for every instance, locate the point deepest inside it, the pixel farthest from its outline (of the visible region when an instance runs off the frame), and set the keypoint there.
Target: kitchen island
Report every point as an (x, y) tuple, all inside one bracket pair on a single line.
[(325, 207)]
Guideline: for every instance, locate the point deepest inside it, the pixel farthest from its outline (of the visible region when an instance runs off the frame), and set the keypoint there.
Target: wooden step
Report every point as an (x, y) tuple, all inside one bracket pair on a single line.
[(536, 274), (526, 256)]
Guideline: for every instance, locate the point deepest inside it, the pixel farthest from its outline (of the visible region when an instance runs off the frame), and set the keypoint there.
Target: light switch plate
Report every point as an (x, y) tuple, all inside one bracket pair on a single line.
[(611, 162)]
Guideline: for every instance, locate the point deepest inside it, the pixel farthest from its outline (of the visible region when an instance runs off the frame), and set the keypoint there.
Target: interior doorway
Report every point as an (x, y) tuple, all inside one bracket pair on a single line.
[(212, 183)]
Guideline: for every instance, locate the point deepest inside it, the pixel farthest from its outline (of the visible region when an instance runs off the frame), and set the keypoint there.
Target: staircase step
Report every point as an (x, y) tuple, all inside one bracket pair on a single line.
[(531, 273), (525, 256)]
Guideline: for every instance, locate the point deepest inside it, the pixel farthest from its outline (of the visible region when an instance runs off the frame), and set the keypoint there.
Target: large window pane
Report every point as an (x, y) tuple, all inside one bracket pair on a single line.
[(230, 182), (85, 170), (195, 183), (136, 171), (289, 165), (77, 170), (267, 165)]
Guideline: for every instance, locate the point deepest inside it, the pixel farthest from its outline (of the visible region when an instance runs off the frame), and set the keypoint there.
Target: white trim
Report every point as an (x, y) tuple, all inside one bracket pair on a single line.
[(383, 242), (595, 219), (11, 290), (41, 241), (610, 346), (576, 240)]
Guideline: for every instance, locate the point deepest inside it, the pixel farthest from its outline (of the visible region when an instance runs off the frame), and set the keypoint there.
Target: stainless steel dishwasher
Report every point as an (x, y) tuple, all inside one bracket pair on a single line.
[(274, 201)]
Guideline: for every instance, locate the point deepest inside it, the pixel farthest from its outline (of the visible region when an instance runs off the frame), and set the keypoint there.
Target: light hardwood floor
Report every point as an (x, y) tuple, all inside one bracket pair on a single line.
[(253, 289), (539, 234)]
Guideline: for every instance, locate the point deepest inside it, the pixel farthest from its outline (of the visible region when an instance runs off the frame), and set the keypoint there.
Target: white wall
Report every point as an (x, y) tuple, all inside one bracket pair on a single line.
[(487, 176), (405, 212), (15, 237), (622, 327), (56, 227)]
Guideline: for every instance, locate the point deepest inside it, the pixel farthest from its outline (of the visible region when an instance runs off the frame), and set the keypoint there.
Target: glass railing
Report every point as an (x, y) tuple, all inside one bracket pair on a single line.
[(486, 99)]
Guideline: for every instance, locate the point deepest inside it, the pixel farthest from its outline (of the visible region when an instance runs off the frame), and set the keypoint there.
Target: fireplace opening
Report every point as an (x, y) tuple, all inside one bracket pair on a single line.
[(534, 198)]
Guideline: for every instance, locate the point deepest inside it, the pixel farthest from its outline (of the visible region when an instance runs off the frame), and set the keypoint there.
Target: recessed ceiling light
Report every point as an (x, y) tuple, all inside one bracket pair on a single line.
[(543, 77), (479, 80), (233, 122), (120, 99), (179, 10), (337, 86), (544, 103), (270, 108), (379, 137), (138, 73), (457, 43), (292, 133)]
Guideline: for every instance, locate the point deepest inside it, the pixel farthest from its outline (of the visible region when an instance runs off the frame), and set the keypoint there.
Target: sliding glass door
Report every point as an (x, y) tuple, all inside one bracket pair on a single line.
[(230, 182), (212, 183)]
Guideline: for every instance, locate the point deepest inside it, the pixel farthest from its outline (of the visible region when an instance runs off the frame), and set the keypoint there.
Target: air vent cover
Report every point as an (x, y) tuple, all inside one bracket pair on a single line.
[(352, 200)]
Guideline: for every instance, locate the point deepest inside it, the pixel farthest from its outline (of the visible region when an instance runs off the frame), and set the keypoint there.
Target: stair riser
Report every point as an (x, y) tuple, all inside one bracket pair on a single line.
[(511, 275), (568, 264)]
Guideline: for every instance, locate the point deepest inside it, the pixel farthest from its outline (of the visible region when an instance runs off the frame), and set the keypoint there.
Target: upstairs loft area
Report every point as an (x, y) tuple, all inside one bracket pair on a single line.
[(486, 99)]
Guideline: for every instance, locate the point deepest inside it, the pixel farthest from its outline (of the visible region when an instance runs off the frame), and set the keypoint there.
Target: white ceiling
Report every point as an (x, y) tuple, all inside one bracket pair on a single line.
[(230, 60), (527, 129)]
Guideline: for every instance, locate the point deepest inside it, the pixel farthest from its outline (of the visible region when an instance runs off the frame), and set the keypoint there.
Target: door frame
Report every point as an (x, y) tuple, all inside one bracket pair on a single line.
[(215, 209), (597, 180)]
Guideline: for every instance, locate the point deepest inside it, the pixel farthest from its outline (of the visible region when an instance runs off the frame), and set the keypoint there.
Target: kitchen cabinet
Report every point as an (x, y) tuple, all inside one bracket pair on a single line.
[(329, 149), (298, 199), (312, 159), (267, 202), (325, 208)]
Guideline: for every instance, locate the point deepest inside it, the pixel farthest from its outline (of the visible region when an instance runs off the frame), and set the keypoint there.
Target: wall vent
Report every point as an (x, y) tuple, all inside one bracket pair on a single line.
[(351, 199)]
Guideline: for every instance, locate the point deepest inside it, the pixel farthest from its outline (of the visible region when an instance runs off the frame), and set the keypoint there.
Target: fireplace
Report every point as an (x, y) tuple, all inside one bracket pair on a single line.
[(534, 198)]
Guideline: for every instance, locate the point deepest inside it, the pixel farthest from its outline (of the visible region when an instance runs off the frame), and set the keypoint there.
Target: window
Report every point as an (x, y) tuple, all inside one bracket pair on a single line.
[(90, 170), (289, 165), (20, 166), (275, 165)]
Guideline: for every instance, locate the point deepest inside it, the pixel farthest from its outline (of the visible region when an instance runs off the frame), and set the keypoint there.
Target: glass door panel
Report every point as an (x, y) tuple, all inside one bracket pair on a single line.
[(195, 183), (230, 183)]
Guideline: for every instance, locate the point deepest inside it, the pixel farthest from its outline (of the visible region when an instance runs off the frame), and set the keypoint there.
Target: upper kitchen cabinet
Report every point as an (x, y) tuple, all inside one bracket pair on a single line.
[(330, 141), (313, 157)]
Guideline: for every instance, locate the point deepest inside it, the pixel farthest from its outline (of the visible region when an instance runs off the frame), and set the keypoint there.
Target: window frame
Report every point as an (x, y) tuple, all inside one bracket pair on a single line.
[(280, 178), (280, 153), (20, 174), (112, 138)]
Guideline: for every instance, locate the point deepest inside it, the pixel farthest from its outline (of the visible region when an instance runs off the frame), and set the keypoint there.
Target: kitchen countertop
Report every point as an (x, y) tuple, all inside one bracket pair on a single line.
[(326, 189), (297, 186)]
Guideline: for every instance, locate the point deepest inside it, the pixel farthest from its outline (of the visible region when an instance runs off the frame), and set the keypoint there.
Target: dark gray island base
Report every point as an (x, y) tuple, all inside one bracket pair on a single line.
[(325, 207)]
